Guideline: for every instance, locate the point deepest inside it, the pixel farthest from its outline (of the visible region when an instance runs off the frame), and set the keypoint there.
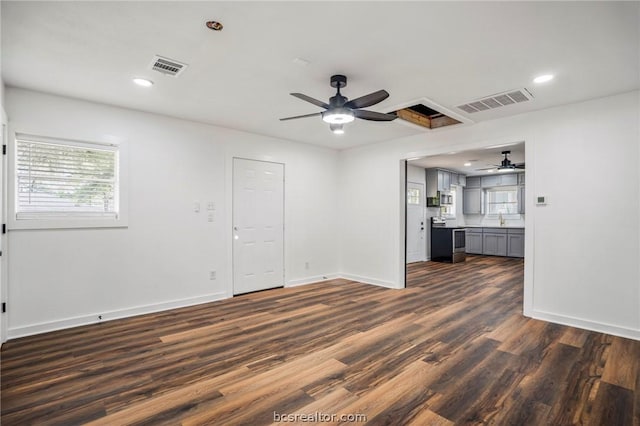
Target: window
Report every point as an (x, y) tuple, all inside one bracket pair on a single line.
[(502, 201), (413, 196), (449, 210), (59, 179)]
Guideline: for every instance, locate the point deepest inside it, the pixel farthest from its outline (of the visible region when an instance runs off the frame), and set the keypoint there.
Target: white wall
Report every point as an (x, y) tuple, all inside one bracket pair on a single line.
[(60, 278), (581, 256)]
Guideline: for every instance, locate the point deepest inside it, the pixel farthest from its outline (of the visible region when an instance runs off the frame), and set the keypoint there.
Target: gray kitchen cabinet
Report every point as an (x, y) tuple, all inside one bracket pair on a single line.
[(507, 179), (462, 180), (473, 241), (472, 201), (473, 181), (494, 243), (444, 181), (432, 182), (515, 243), (489, 181), (520, 178)]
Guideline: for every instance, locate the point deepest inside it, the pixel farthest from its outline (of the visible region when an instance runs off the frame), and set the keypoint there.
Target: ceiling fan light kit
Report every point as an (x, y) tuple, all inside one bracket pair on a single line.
[(340, 110)]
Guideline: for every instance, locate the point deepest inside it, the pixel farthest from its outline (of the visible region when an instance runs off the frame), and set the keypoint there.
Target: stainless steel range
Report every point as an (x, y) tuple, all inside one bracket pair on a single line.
[(447, 242)]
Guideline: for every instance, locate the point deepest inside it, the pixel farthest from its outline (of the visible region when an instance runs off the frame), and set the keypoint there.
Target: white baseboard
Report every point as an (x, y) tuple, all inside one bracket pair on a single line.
[(29, 330), (367, 280), (615, 330), (311, 280)]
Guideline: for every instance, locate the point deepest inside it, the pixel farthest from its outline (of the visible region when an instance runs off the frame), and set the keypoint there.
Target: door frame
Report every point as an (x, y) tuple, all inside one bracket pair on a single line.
[(229, 222), (529, 258)]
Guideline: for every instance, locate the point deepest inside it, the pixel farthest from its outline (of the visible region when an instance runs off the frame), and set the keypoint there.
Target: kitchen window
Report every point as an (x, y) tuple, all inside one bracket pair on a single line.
[(65, 183), (502, 201), (449, 210)]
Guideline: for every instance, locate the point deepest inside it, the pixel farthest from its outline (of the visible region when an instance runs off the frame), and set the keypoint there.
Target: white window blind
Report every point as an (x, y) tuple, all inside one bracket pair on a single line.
[(65, 178), (502, 201)]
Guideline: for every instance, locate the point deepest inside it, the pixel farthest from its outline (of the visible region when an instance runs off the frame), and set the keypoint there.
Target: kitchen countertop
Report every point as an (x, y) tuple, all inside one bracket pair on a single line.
[(491, 226)]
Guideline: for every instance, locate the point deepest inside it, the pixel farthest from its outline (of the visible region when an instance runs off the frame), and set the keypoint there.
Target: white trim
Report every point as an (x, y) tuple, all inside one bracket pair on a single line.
[(71, 222), (615, 330), (372, 281), (311, 280), (112, 315)]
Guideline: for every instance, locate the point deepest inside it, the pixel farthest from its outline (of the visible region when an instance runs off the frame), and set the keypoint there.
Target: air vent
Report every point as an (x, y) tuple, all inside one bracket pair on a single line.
[(167, 66), (498, 100), (424, 116)]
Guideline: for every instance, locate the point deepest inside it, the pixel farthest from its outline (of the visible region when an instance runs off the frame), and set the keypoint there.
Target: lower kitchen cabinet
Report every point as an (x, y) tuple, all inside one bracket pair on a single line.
[(515, 245), (494, 243), (473, 243)]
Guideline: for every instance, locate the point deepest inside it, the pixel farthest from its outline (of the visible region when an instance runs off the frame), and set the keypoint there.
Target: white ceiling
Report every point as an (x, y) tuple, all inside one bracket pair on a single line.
[(479, 159), (447, 52)]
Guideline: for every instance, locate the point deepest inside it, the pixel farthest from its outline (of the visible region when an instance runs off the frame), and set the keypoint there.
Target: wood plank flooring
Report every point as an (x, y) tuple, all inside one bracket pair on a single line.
[(452, 348)]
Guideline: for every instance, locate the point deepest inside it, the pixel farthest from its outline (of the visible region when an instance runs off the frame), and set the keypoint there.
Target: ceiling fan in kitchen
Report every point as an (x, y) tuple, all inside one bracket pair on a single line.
[(340, 110), (506, 164)]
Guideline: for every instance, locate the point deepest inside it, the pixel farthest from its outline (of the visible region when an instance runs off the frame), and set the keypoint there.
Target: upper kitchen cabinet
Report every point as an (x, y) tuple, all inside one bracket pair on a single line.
[(473, 201), (510, 179), (473, 182), (444, 180)]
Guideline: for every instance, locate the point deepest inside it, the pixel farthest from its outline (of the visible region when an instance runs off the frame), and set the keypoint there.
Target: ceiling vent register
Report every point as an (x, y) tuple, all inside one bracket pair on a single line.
[(167, 66), (498, 100)]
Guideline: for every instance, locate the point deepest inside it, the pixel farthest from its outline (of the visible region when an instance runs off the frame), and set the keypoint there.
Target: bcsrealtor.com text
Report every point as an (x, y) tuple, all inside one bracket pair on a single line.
[(318, 417)]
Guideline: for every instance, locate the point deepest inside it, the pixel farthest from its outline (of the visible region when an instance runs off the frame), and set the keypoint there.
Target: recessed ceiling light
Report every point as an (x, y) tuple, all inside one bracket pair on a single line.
[(467, 164), (143, 82), (543, 78), (214, 25)]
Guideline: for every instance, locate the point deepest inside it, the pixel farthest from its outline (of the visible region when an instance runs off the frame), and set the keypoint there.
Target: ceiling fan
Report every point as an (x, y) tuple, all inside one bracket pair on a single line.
[(506, 164), (341, 110)]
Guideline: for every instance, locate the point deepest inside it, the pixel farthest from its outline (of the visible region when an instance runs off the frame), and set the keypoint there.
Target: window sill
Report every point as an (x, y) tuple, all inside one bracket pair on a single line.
[(67, 223)]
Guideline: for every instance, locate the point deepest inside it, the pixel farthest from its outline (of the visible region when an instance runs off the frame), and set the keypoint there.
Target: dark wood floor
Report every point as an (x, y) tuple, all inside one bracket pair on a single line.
[(453, 348)]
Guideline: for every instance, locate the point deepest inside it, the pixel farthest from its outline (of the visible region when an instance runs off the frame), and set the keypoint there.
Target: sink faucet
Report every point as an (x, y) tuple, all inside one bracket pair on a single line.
[(501, 219)]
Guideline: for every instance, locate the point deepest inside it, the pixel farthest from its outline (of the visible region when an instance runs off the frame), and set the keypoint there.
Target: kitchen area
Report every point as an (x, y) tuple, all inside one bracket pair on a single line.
[(467, 203)]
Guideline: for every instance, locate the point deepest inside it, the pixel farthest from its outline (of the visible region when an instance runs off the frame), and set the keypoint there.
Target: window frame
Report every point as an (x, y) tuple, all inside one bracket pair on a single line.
[(515, 215), (68, 220)]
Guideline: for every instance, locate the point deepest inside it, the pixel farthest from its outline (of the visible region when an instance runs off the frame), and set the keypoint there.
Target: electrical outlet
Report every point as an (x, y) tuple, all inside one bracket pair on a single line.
[(196, 206), (212, 275), (211, 217)]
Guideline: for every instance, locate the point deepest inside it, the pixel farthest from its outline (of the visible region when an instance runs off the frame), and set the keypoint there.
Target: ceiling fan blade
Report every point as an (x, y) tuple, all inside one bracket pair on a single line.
[(311, 100), (367, 100), (301, 116), (373, 116), (519, 166), (489, 168)]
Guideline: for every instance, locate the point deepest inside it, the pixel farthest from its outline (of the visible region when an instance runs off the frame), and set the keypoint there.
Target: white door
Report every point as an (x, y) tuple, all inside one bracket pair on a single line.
[(258, 225), (415, 223)]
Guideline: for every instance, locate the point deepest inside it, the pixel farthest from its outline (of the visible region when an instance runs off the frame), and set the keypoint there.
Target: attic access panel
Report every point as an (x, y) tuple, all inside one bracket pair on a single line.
[(425, 116)]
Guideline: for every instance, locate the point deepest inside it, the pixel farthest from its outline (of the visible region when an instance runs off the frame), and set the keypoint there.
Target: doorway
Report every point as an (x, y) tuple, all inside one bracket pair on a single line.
[(258, 225)]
